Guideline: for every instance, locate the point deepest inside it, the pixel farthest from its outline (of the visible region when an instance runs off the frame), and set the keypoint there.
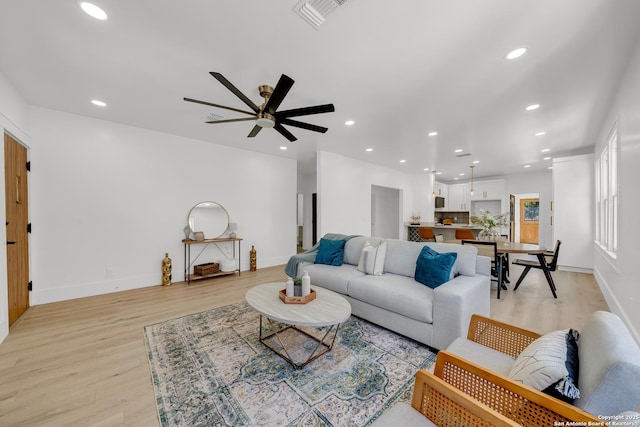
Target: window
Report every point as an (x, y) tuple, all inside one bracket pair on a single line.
[(607, 195)]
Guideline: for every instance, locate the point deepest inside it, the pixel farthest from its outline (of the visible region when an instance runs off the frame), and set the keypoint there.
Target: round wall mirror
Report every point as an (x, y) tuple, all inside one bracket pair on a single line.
[(209, 217)]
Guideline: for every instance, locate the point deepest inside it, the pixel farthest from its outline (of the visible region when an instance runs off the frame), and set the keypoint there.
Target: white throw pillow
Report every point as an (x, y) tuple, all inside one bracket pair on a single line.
[(372, 258)]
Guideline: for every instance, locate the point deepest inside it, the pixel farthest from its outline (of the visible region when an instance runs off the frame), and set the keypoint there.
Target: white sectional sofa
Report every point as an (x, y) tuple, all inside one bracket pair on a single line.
[(396, 301)]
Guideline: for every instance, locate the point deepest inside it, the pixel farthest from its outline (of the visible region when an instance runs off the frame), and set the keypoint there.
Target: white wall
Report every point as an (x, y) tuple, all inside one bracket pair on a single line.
[(573, 195), (306, 187), (13, 120), (385, 212), (109, 200), (619, 279), (344, 193)]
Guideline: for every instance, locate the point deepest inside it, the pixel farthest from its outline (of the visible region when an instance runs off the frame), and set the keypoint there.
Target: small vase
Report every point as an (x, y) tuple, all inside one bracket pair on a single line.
[(297, 291), (306, 284), (290, 291)]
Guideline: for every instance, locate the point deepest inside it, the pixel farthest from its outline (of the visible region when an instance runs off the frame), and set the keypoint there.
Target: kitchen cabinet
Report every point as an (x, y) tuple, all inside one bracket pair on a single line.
[(458, 197), (488, 190)]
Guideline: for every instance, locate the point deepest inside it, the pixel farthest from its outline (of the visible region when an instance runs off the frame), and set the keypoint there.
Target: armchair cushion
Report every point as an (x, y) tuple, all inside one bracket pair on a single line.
[(489, 358), (550, 364), (617, 392)]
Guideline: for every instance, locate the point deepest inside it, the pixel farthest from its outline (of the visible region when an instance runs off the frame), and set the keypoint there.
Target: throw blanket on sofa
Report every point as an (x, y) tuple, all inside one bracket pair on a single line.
[(310, 255)]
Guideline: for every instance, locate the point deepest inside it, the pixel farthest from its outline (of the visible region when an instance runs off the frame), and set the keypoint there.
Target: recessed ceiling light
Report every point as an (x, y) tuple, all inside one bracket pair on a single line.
[(283, 148), (475, 162), (432, 133), (93, 10), (369, 150), (550, 167), (459, 150), (547, 158), (98, 103), (541, 133), (403, 161), (456, 178), (545, 150), (527, 166), (461, 174), (532, 107), (438, 173), (350, 122), (426, 169), (516, 53)]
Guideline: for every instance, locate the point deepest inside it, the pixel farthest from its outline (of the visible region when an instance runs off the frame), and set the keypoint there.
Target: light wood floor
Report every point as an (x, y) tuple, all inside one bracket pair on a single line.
[(84, 363)]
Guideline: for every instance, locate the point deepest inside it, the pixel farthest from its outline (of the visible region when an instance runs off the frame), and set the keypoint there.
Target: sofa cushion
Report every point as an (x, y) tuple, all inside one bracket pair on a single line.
[(434, 268), (330, 252), (392, 292), (331, 277), (372, 258), (402, 414), (550, 364), (479, 354), (353, 248), (604, 342)]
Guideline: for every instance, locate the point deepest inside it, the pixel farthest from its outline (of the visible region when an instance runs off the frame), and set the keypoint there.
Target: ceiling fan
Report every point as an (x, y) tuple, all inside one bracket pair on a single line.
[(266, 115)]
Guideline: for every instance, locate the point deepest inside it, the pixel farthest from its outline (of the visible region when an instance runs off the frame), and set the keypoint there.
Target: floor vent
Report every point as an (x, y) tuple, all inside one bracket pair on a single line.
[(315, 12)]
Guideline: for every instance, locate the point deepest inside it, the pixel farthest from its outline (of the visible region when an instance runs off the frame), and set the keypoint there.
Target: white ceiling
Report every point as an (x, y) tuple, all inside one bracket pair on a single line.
[(399, 69)]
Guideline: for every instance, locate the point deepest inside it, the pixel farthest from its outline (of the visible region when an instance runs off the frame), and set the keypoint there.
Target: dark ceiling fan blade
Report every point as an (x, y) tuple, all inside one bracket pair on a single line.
[(285, 132), (303, 125), (305, 111), (279, 92), (231, 120), (235, 90), (254, 131), (218, 106)]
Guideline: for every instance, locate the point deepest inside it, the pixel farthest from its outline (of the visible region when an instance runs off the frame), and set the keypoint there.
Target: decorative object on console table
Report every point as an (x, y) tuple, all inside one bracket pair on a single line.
[(253, 259), (206, 269), (233, 227), (415, 219), (187, 232), (198, 235), (166, 270)]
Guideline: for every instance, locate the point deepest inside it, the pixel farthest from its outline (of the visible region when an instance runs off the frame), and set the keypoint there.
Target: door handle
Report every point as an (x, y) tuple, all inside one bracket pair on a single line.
[(11, 243)]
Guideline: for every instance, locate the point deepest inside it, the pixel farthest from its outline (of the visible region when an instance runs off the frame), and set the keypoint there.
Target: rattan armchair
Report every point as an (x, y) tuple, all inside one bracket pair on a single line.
[(443, 405), (520, 403)]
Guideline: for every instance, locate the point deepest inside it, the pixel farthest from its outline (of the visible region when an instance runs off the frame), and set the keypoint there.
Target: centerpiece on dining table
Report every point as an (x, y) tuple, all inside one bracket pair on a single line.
[(490, 224)]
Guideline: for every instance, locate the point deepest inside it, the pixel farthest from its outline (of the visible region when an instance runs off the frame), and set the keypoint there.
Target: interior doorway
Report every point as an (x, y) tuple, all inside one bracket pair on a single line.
[(525, 217), (385, 212), (17, 223)]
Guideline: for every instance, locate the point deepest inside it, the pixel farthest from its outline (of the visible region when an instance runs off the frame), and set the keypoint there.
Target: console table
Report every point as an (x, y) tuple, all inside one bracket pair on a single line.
[(188, 263)]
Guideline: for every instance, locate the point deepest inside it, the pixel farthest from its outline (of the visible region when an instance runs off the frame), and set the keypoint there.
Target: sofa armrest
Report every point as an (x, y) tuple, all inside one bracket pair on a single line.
[(523, 404), (500, 336)]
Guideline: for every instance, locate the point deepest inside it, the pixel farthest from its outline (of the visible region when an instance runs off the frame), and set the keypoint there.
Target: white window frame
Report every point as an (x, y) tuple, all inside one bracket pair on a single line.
[(606, 216)]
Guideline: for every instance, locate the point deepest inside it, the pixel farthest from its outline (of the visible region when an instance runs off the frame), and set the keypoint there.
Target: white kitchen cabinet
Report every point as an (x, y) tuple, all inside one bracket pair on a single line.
[(458, 197), (488, 190)]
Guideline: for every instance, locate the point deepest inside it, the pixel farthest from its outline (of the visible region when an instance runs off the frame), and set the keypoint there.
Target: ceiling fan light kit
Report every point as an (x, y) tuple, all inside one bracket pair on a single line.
[(266, 115)]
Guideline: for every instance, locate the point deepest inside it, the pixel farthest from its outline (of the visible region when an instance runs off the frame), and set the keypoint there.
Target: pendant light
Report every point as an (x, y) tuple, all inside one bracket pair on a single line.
[(471, 191)]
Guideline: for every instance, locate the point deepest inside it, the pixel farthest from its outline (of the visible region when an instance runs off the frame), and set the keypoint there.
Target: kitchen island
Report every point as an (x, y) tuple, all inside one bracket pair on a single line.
[(446, 231)]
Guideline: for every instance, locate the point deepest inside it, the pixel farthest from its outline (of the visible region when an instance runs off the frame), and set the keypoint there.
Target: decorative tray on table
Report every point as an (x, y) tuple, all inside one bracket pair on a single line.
[(296, 300)]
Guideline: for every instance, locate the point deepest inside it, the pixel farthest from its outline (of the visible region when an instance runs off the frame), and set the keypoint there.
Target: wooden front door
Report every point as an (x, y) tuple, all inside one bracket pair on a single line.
[(15, 171), (529, 216)]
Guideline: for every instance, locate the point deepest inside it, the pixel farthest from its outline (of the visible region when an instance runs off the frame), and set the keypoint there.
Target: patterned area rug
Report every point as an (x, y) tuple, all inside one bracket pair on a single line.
[(210, 369)]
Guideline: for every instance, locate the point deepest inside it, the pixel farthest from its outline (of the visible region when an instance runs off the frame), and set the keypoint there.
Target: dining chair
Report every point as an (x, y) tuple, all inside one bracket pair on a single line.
[(464, 234), (490, 250), (427, 234), (540, 262)]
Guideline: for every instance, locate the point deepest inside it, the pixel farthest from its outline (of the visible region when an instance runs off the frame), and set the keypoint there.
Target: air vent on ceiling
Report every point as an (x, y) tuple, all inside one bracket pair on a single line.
[(315, 11), (463, 155)]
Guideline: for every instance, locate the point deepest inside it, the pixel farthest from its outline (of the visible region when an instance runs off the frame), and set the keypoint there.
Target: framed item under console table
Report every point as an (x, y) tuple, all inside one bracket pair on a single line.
[(188, 262)]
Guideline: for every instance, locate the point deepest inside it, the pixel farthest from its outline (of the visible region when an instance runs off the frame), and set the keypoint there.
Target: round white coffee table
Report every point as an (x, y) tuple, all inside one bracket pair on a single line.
[(328, 309)]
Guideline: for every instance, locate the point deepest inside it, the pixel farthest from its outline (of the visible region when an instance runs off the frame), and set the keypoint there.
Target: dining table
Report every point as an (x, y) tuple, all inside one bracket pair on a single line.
[(505, 247)]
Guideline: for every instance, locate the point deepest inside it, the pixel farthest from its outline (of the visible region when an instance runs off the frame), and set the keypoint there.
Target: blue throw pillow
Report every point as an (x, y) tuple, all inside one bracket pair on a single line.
[(434, 268), (330, 252)]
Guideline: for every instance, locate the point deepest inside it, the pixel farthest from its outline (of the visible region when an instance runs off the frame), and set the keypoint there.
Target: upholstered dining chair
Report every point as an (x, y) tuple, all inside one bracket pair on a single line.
[(464, 234), (427, 234)]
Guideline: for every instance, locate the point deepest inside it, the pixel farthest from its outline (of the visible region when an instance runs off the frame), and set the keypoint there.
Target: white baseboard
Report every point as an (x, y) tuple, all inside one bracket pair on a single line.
[(575, 269), (614, 305)]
